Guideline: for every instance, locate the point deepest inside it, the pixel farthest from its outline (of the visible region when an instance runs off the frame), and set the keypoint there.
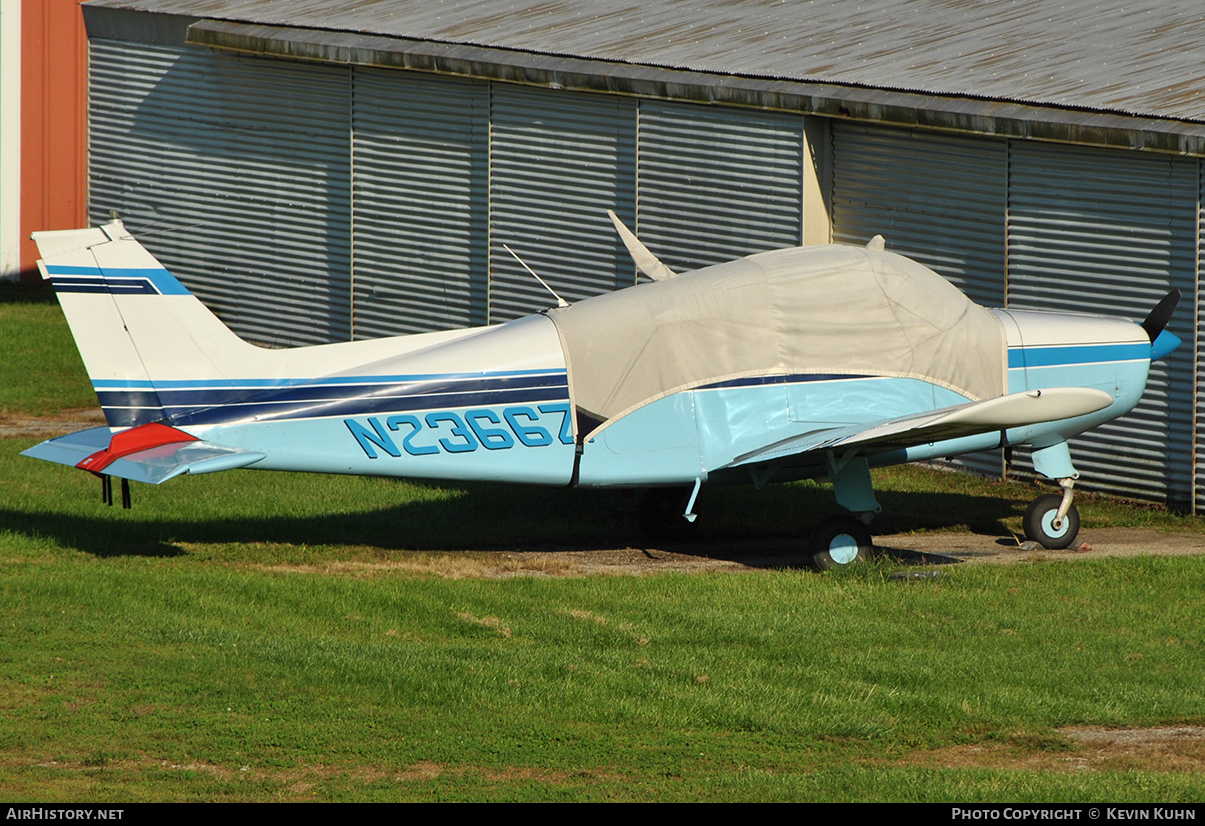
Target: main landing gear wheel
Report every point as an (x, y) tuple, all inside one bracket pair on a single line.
[(839, 541), (660, 515), (1039, 523)]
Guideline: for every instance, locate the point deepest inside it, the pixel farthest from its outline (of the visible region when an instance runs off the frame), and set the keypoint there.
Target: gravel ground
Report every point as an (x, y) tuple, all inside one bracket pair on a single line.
[(923, 551)]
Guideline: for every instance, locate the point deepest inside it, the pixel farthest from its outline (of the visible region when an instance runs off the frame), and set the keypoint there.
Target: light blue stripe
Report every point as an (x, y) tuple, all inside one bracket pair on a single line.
[(1076, 354)]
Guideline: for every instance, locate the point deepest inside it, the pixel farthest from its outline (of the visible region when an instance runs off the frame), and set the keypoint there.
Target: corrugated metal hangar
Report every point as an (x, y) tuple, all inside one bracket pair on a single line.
[(316, 172)]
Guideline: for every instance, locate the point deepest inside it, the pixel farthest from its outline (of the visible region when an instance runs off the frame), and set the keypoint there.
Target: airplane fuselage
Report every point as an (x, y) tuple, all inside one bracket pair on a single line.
[(512, 418)]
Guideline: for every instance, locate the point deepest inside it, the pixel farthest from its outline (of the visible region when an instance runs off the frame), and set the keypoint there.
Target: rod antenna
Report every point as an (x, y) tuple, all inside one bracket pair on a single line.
[(560, 302)]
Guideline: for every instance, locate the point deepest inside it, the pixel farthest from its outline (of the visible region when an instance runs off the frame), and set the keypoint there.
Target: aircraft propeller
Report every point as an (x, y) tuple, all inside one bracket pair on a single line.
[(1157, 319)]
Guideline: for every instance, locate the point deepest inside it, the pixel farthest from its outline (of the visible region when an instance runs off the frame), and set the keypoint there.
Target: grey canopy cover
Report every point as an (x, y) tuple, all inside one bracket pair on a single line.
[(832, 309)]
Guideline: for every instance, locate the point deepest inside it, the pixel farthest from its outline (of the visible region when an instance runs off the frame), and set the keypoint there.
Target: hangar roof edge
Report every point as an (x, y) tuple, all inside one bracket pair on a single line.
[(1147, 91)]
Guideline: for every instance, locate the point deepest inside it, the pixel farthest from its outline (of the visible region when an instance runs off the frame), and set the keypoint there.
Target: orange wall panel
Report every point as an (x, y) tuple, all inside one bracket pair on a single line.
[(54, 113)]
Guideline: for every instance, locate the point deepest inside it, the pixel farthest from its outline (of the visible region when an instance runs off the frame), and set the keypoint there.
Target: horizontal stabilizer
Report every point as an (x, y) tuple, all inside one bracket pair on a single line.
[(1002, 413), (152, 460)]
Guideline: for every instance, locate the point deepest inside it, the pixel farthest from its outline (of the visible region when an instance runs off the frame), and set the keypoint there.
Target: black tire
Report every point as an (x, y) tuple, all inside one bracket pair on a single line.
[(660, 515), (1039, 519), (838, 542)]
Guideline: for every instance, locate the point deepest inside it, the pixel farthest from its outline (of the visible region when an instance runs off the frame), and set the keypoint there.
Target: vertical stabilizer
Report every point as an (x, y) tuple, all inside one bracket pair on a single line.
[(135, 325), (155, 353)]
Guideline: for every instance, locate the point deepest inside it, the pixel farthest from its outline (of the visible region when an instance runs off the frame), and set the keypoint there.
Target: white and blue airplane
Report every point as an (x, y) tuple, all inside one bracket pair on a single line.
[(811, 362)]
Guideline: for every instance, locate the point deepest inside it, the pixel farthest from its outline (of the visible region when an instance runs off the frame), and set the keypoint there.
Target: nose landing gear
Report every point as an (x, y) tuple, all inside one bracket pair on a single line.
[(1052, 520)]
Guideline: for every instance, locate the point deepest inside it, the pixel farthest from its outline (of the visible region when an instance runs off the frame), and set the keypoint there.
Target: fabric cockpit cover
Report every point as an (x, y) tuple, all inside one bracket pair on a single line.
[(832, 309)]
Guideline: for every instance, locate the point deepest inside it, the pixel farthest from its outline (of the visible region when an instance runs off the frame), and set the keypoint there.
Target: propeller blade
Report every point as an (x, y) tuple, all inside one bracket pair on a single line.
[(1158, 318)]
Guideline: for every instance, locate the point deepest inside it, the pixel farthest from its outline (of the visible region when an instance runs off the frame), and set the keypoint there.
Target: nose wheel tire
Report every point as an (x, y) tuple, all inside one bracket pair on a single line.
[(838, 542), (1039, 523)]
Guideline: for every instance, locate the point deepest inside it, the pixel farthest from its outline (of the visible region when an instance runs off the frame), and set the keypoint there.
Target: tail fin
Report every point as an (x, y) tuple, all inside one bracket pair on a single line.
[(155, 353), (135, 325)]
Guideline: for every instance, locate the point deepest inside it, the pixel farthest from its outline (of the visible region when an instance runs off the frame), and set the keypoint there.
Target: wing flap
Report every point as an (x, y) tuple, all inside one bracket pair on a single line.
[(1002, 413)]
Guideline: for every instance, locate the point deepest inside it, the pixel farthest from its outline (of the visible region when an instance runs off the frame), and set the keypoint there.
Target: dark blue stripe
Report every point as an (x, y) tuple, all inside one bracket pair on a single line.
[(214, 406), (131, 416), (151, 280), (753, 381), (365, 406), (213, 397), (196, 398), (79, 285), (97, 285), (134, 399)]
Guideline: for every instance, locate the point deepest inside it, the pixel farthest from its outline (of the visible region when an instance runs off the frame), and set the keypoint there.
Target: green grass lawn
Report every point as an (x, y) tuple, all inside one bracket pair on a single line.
[(40, 371), (255, 636), (235, 671)]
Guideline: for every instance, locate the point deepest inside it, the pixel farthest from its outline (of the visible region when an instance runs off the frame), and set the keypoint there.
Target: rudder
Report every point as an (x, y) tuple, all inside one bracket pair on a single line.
[(135, 325)]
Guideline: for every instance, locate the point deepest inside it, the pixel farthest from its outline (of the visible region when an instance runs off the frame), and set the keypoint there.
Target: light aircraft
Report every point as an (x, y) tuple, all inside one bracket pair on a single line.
[(810, 362)]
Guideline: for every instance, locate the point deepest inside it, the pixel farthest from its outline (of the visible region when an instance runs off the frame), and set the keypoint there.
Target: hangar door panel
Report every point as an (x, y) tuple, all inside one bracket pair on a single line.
[(718, 183), (1107, 232), (937, 199), (558, 162), (1200, 342), (235, 173), (420, 202)]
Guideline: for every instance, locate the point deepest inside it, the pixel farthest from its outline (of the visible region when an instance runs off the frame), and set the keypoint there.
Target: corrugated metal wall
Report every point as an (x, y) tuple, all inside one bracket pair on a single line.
[(716, 183), (1194, 305), (558, 162), (247, 202), (420, 151), (1111, 232), (310, 203), (935, 198)]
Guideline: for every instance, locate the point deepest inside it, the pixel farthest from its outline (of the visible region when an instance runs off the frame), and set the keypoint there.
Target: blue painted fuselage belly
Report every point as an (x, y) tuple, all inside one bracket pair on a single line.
[(519, 440), (418, 413)]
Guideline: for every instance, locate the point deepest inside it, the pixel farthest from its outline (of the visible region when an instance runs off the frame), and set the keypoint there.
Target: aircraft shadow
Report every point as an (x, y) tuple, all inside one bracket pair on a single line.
[(759, 529)]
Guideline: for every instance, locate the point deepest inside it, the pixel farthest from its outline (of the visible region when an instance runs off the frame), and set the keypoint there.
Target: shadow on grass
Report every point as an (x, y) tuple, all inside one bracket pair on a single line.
[(759, 528), (26, 292)]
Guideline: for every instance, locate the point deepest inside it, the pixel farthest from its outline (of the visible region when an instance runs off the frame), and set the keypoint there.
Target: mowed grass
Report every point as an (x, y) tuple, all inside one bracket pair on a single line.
[(182, 677), (40, 372), (254, 636)]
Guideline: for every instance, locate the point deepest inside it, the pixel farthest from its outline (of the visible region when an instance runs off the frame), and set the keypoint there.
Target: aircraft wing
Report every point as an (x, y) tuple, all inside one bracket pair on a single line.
[(150, 453), (1002, 413)]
